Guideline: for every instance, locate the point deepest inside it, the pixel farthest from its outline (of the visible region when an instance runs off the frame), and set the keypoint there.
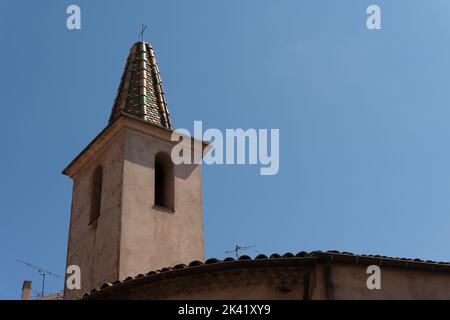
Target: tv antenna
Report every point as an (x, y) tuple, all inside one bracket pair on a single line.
[(238, 248), (41, 271), (37, 294)]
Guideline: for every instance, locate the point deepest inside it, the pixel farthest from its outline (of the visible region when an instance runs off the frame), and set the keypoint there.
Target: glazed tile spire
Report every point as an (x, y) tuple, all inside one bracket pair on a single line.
[(140, 92)]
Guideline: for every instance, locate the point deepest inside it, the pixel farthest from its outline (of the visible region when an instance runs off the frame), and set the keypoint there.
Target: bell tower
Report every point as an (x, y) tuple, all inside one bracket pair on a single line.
[(133, 210)]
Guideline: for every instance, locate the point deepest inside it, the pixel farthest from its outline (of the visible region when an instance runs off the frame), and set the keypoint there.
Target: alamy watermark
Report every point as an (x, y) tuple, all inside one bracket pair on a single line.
[(73, 280), (73, 21), (374, 19), (236, 146), (374, 280)]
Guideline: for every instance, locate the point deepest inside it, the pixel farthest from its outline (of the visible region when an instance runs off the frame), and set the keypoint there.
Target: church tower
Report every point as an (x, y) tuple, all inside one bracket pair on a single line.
[(133, 210)]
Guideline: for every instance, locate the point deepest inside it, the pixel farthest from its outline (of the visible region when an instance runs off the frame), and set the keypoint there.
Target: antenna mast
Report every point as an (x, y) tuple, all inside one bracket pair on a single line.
[(41, 271), (238, 248)]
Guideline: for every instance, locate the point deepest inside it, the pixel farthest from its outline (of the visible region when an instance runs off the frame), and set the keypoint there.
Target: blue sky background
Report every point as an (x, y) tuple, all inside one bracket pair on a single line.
[(364, 119)]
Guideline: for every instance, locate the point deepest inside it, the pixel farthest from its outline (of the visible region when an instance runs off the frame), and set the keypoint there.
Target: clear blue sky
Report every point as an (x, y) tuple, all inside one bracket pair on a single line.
[(364, 119)]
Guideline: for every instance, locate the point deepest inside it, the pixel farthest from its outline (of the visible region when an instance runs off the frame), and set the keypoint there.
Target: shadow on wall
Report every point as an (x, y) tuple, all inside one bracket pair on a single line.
[(141, 154)]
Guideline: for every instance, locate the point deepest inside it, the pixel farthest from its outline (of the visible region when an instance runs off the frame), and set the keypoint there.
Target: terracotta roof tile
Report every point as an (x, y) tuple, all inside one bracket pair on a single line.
[(228, 259), (195, 263), (106, 285), (212, 260)]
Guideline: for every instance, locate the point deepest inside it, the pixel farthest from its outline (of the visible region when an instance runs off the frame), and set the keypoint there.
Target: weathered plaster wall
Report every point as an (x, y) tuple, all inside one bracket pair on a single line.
[(396, 283), (153, 238), (251, 283), (95, 248), (131, 236)]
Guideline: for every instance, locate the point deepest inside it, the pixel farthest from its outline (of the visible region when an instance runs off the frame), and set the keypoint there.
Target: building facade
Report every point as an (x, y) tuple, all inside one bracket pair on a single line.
[(136, 227)]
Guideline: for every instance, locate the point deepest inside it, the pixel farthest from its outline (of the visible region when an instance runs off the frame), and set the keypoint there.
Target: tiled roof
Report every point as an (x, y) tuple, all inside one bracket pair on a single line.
[(140, 93), (303, 258)]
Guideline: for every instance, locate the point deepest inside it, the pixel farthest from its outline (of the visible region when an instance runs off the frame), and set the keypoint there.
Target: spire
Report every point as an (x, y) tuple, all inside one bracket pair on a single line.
[(140, 92)]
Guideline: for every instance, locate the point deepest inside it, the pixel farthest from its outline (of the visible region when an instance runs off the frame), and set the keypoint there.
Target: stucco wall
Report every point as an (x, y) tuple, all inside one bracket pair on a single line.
[(396, 283), (131, 236), (95, 248), (241, 283), (153, 238)]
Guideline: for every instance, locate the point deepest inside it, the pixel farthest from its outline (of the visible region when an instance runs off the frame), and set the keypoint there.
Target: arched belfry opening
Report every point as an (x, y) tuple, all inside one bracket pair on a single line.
[(96, 194), (164, 181)]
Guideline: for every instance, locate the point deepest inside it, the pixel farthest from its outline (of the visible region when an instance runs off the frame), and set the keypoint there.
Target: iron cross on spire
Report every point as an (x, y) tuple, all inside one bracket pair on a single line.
[(141, 34)]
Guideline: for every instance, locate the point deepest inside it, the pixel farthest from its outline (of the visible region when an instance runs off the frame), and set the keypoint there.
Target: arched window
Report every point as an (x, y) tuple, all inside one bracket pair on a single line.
[(96, 194), (164, 181)]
